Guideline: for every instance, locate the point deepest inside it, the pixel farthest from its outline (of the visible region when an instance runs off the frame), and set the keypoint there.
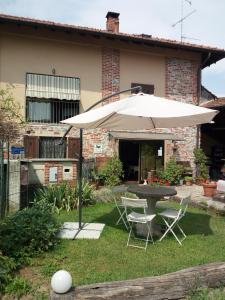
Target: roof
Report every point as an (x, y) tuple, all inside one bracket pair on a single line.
[(214, 103), (138, 136), (203, 88), (209, 54)]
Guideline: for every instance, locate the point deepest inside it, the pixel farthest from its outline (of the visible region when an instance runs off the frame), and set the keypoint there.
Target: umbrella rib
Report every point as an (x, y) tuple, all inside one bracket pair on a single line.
[(106, 119), (152, 122)]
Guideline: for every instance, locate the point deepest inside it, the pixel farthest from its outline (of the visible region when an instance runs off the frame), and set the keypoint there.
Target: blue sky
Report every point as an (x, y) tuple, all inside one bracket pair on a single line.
[(206, 25)]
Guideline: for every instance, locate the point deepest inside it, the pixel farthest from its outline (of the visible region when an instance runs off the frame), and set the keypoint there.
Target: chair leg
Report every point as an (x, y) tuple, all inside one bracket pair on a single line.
[(146, 240), (146, 243), (122, 218), (170, 229), (131, 229), (181, 230)]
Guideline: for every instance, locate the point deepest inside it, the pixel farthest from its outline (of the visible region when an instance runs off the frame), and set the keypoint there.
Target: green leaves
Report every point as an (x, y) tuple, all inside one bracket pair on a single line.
[(112, 172), (28, 232), (201, 160), (173, 172), (58, 197)]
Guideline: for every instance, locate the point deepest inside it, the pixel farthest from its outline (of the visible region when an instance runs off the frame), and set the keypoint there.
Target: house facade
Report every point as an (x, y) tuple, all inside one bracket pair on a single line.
[(59, 70)]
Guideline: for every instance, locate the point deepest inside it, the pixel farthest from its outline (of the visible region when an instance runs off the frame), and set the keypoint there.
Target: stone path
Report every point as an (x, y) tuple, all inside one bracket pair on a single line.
[(197, 197)]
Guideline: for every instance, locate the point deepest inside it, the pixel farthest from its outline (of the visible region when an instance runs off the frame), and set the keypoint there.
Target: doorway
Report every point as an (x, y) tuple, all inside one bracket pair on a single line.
[(140, 157), (213, 144)]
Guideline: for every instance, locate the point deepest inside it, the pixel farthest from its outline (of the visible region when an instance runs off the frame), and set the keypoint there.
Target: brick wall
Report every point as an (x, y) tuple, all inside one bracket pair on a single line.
[(110, 72), (182, 85), (59, 166)]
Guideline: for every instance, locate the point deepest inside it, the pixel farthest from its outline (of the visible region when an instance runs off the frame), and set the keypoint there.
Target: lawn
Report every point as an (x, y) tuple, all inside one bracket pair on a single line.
[(108, 259)]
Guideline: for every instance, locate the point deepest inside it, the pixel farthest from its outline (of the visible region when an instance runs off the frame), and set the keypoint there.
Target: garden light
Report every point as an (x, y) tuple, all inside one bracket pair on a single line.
[(61, 282)]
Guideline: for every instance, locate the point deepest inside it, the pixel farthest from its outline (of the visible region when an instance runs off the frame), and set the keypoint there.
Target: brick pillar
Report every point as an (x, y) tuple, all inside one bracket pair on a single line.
[(182, 85), (110, 72)]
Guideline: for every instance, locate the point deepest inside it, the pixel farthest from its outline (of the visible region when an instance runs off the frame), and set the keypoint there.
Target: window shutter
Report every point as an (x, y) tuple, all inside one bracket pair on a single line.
[(73, 147), (31, 145)]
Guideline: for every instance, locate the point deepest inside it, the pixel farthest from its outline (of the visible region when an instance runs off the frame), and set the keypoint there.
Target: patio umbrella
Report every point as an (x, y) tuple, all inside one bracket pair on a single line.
[(137, 112), (142, 111)]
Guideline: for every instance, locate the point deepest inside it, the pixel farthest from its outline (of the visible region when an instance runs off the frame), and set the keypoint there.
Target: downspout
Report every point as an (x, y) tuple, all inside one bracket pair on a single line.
[(199, 94)]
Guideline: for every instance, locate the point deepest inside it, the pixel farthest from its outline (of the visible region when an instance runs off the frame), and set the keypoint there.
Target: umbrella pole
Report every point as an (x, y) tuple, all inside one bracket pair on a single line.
[(80, 178), (80, 196)]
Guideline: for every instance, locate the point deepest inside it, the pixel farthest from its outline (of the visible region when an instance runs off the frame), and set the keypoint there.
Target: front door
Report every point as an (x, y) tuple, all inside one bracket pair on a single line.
[(140, 157), (151, 158)]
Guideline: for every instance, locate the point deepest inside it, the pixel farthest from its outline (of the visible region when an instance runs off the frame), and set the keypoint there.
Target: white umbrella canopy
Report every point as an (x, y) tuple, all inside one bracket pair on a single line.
[(143, 111)]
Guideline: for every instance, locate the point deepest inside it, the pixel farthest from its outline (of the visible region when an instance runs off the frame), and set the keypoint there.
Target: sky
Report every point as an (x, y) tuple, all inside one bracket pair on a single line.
[(205, 26)]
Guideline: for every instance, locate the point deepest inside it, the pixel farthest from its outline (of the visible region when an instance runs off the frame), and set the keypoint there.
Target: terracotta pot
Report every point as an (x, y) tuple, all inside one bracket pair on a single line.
[(209, 189), (188, 182)]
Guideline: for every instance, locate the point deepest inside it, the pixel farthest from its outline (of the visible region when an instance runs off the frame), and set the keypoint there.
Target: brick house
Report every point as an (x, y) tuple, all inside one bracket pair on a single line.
[(60, 70)]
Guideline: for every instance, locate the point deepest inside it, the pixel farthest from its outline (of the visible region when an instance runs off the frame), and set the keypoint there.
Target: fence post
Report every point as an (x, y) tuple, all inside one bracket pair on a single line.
[(2, 187)]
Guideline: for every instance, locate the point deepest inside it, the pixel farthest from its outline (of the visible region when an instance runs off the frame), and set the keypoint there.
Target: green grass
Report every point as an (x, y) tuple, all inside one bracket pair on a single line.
[(108, 258)]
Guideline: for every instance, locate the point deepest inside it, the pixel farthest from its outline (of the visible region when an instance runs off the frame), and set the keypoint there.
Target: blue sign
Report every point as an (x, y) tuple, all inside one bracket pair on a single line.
[(17, 150)]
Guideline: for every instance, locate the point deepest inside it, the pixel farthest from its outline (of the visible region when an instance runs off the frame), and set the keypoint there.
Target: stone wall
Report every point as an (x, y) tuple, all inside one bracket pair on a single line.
[(182, 85)]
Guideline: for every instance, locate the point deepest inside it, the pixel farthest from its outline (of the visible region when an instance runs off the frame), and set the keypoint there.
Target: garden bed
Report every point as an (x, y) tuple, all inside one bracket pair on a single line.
[(108, 259)]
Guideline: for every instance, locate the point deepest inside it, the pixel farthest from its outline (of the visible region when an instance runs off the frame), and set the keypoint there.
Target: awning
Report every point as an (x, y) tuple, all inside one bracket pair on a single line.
[(125, 135), (55, 87)]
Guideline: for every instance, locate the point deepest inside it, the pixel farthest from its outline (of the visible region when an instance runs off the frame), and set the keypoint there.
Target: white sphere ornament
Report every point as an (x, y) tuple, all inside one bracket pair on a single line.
[(61, 282)]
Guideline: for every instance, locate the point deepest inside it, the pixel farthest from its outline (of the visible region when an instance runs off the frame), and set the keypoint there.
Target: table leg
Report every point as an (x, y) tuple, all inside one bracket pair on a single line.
[(155, 228)]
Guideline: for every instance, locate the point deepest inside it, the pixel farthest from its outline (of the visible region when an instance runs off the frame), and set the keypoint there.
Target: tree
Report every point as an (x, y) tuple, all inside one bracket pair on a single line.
[(10, 117)]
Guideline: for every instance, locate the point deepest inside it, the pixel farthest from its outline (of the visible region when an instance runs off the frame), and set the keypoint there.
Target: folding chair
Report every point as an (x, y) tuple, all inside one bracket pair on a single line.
[(121, 210), (137, 218), (171, 218)]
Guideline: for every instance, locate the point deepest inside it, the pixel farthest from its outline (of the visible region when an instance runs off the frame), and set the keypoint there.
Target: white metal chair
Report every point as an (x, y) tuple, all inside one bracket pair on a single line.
[(135, 218), (171, 218), (122, 215)]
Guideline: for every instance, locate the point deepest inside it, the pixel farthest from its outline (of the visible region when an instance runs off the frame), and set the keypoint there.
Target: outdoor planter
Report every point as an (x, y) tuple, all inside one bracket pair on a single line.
[(209, 189), (200, 181)]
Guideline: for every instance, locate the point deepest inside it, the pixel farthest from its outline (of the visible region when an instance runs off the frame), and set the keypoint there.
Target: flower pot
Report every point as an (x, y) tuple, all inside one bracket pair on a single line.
[(209, 189), (188, 182)]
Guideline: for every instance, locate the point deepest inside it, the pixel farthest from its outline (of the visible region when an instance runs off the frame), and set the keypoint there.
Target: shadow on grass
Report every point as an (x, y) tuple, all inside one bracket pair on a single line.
[(192, 224)]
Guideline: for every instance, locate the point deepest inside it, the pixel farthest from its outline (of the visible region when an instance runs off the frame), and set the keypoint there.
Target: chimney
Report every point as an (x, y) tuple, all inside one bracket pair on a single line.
[(112, 23)]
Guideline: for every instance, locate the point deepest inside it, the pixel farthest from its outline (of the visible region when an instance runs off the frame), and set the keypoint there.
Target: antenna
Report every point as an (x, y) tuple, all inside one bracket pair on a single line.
[(183, 18)]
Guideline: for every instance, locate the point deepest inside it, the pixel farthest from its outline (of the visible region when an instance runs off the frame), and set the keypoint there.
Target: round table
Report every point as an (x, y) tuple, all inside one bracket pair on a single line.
[(152, 195)]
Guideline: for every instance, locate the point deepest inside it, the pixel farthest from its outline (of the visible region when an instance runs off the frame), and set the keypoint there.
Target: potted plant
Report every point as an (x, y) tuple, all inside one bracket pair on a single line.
[(202, 172), (173, 173), (209, 188), (188, 180)]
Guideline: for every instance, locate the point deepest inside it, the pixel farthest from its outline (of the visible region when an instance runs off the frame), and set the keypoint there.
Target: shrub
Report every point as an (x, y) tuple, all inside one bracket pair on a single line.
[(88, 191), (188, 178), (173, 172), (18, 287), (56, 197), (7, 267), (112, 172), (201, 160), (28, 232)]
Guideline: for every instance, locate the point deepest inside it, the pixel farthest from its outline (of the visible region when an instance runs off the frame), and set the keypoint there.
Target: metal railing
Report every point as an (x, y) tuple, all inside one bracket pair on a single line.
[(50, 111)]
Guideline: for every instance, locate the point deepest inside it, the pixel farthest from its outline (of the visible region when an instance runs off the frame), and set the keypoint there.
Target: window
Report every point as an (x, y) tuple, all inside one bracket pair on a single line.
[(146, 88), (50, 110), (49, 147), (51, 99)]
